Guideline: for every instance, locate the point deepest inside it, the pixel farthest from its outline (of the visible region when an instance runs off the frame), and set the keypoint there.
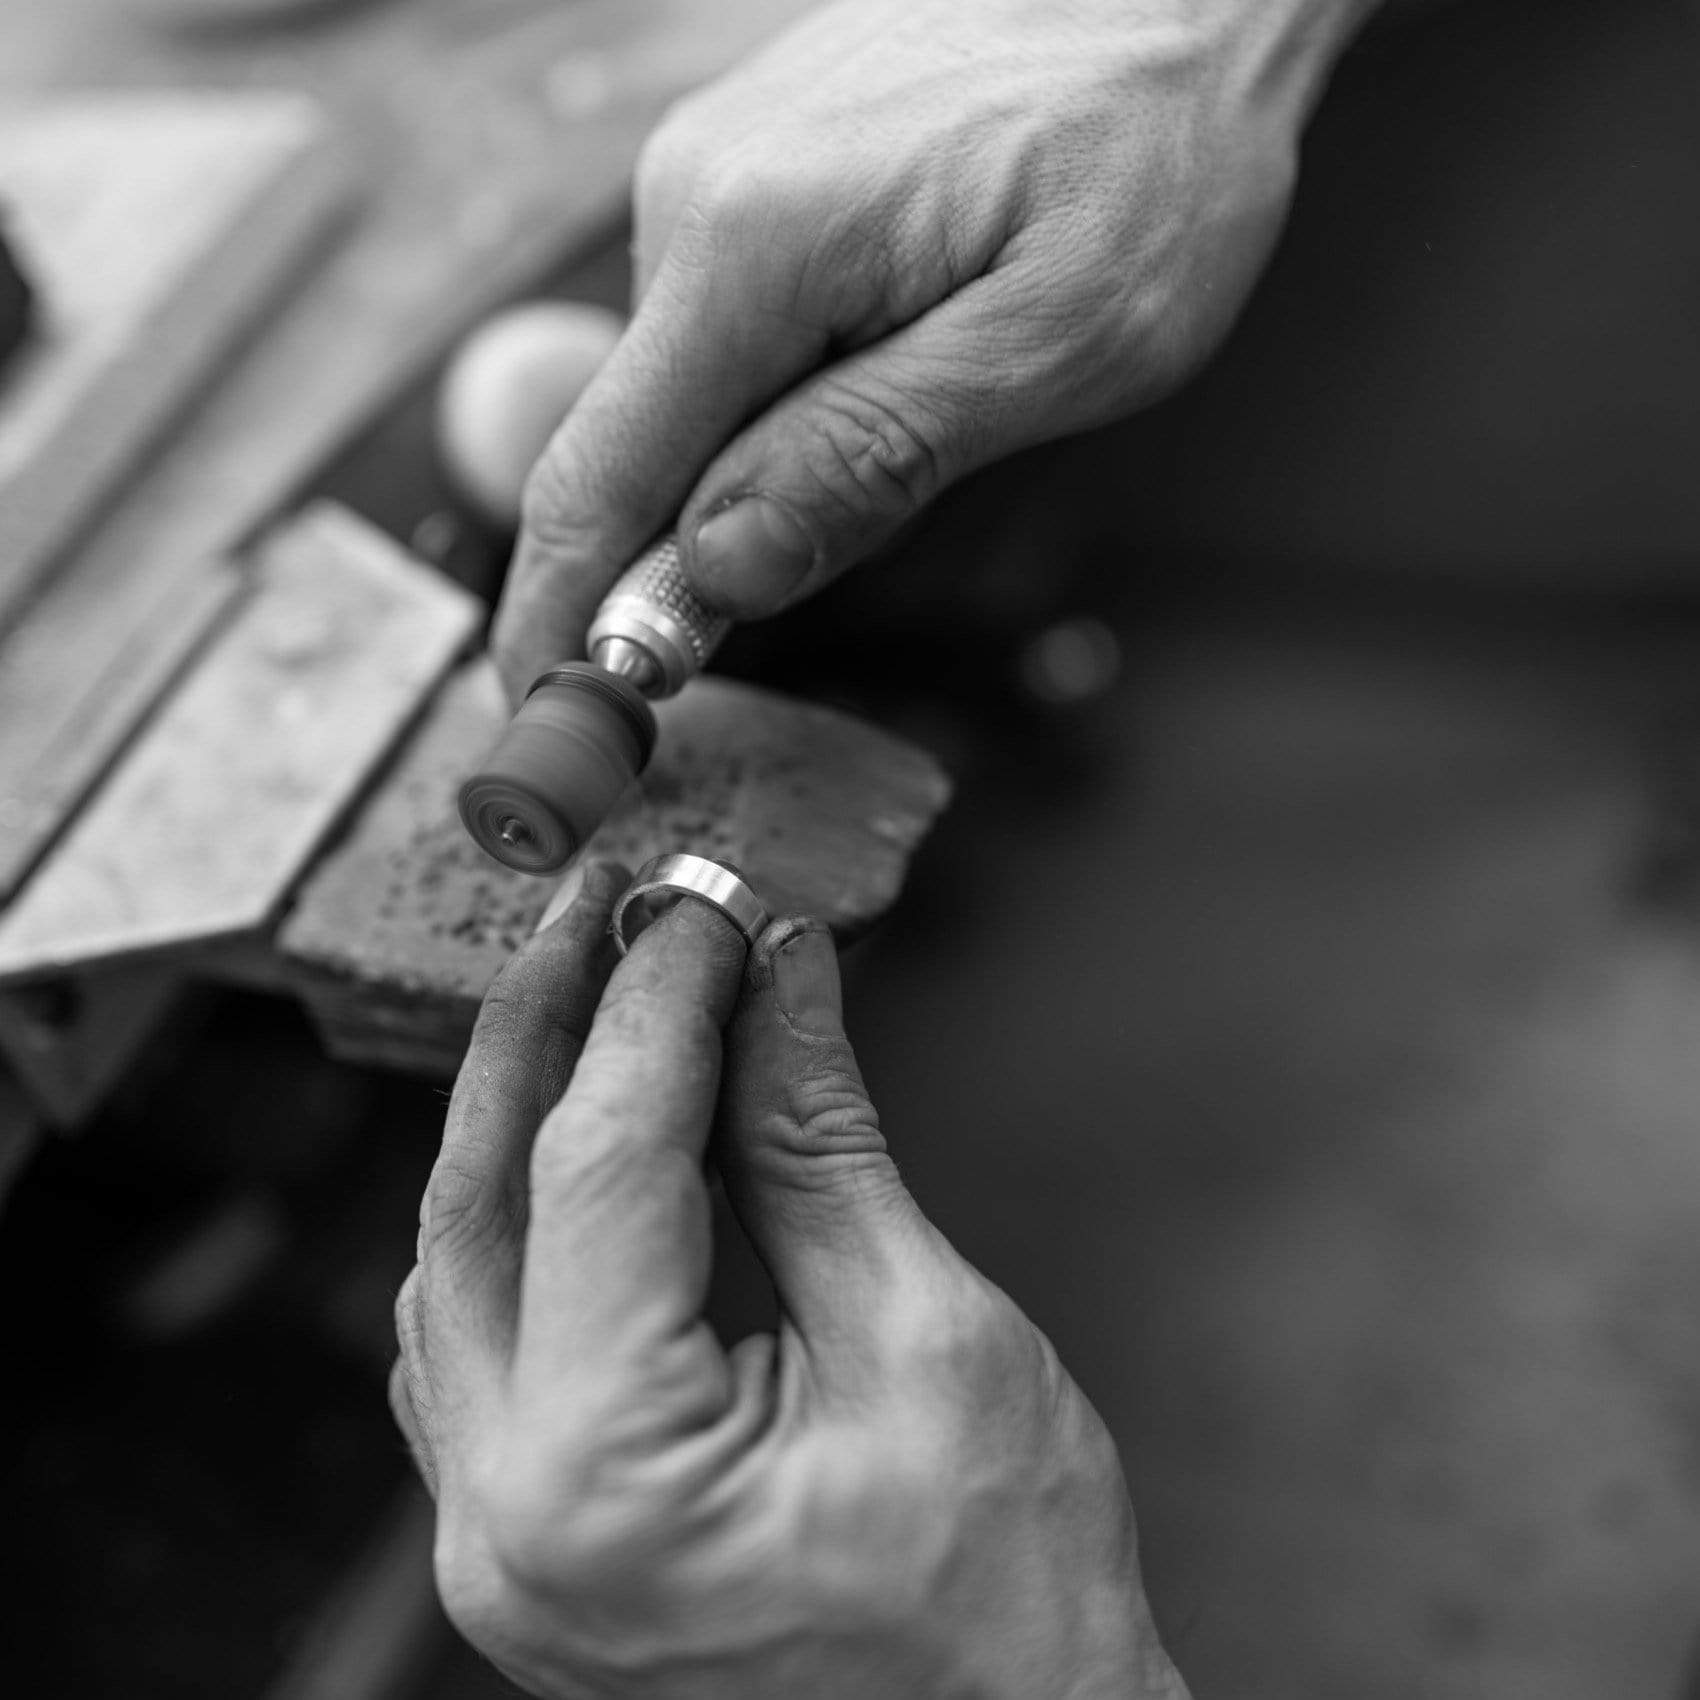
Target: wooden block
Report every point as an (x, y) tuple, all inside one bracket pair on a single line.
[(202, 829), (157, 227), (485, 163), (398, 933), (70, 1041)]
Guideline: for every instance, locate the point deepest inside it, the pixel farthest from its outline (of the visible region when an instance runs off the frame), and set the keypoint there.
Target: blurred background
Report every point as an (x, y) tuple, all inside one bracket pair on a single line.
[(1298, 1010)]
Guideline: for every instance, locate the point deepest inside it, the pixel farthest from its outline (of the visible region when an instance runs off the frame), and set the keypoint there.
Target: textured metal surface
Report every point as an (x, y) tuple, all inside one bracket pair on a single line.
[(657, 579), (653, 607)]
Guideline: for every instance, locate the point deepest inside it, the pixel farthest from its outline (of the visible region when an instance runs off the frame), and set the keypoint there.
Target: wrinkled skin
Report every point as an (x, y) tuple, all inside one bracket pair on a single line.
[(907, 239), (900, 1494)]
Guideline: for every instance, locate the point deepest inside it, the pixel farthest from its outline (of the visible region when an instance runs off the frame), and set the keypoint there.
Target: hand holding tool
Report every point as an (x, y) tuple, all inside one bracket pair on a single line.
[(585, 730)]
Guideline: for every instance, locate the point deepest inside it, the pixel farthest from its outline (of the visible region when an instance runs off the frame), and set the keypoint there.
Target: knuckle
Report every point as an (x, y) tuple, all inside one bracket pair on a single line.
[(567, 1535), (1155, 353), (727, 196), (974, 1335), (555, 1525), (542, 992), (410, 1318), (568, 495), (760, 203), (551, 510), (824, 1136), (509, 1005), (534, 1532), (408, 1411), (403, 1403), (877, 451), (668, 159), (477, 1597), (831, 1108)]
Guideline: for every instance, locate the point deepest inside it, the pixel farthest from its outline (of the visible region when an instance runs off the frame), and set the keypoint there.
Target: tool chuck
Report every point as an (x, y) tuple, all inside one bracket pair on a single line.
[(585, 730)]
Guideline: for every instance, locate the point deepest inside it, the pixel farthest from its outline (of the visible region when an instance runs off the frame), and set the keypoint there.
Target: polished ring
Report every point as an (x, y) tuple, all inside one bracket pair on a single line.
[(662, 882)]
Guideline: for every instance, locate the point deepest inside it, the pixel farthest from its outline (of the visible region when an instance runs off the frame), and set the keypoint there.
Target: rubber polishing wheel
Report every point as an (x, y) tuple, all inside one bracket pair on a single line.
[(580, 738)]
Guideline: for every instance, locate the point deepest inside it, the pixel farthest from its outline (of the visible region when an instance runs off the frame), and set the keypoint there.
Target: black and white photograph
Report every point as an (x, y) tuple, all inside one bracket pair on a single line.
[(850, 849)]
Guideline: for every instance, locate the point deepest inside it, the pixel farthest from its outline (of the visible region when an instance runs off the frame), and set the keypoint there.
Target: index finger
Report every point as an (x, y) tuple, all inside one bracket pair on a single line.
[(618, 1255), (702, 354), (532, 1023)]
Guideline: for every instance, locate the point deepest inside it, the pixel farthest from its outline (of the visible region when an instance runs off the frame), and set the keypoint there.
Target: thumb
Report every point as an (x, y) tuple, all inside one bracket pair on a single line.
[(836, 467), (801, 1152)]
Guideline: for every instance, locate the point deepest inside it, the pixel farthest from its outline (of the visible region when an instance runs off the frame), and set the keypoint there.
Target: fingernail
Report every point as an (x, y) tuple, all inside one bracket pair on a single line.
[(751, 555), (587, 889), (806, 985)]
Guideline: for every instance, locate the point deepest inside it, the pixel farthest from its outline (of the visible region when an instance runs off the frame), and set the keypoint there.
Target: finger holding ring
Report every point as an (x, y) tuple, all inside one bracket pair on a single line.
[(667, 880)]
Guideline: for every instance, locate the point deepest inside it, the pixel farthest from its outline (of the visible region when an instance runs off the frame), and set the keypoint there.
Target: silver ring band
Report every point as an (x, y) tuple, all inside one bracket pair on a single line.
[(662, 882)]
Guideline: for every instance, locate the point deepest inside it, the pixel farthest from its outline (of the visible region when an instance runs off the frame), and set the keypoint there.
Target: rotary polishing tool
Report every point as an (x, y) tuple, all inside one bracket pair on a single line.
[(585, 730)]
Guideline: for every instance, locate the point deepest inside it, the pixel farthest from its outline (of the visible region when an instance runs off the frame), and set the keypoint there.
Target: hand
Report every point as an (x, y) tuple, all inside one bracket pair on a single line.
[(902, 1494), (910, 238)]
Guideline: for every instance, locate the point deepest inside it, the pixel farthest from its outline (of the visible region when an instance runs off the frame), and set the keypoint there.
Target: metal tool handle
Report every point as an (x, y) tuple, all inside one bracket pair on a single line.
[(652, 628)]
